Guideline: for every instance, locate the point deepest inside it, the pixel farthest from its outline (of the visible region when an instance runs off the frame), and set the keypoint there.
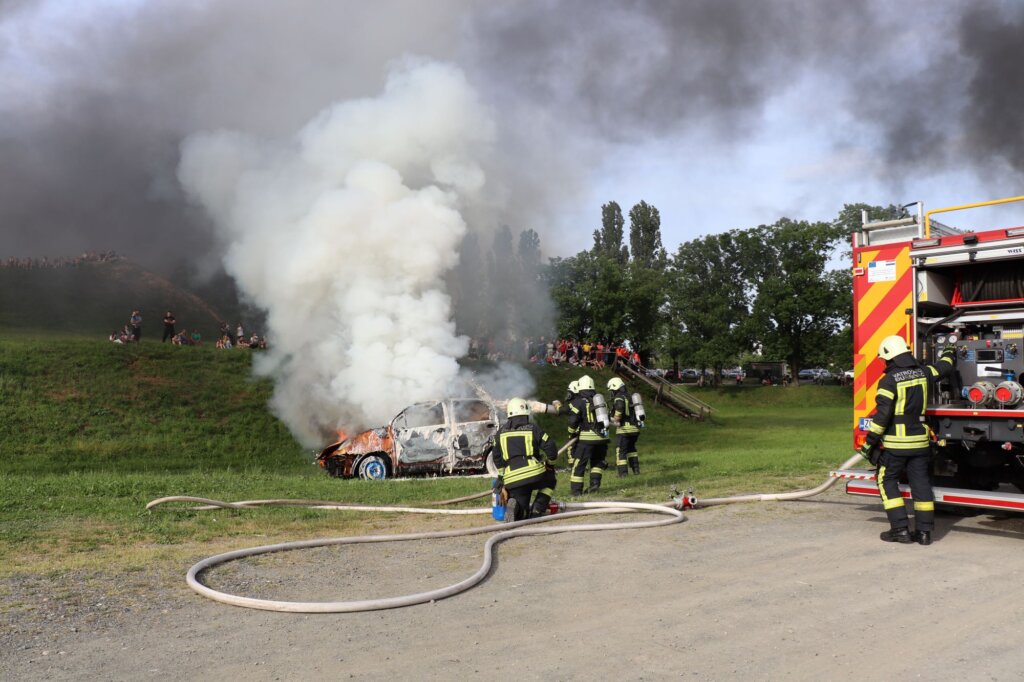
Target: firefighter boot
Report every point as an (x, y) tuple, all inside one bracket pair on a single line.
[(511, 509), (595, 482), (575, 489), (900, 535), (922, 537), (634, 464), (540, 505), (623, 471)]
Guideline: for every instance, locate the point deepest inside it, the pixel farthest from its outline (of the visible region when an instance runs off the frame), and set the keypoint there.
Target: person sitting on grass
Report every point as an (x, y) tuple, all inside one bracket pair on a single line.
[(242, 342), (197, 338)]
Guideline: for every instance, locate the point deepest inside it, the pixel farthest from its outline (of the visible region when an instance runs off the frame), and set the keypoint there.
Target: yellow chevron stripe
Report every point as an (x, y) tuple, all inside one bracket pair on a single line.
[(869, 350), (877, 291)]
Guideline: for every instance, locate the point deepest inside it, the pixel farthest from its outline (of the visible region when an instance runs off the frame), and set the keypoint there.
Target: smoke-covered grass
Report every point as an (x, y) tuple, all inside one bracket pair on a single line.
[(92, 432)]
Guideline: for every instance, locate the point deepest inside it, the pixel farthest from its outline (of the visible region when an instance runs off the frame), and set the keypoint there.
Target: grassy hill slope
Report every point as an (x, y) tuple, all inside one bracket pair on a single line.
[(91, 431), (98, 297)]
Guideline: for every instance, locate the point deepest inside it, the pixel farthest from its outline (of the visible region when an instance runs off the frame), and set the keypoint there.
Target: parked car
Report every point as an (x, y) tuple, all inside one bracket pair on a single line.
[(447, 437), (816, 375)]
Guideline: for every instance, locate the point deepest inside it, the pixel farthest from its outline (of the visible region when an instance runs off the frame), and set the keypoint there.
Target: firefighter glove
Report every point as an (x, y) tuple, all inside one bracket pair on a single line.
[(871, 453)]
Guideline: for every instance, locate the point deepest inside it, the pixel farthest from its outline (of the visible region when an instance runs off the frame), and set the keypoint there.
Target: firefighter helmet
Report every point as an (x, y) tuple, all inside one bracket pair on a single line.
[(585, 383), (615, 384), (517, 407), (574, 387), (892, 346)]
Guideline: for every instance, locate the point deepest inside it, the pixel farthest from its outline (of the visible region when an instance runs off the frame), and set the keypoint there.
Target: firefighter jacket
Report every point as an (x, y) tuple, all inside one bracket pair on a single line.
[(902, 397), (522, 451), (583, 419), (622, 412)]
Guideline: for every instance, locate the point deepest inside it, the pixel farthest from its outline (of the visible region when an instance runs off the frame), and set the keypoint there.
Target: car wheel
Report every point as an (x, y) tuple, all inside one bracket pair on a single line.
[(372, 468)]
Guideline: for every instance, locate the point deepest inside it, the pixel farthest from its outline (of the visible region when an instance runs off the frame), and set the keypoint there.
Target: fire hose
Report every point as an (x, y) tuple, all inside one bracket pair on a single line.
[(672, 510)]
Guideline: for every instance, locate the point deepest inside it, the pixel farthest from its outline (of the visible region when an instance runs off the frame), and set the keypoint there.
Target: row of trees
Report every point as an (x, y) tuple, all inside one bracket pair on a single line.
[(775, 291)]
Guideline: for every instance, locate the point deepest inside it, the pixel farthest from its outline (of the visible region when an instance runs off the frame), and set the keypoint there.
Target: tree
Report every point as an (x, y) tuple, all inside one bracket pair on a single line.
[(645, 236), (608, 240), (797, 307), (645, 278), (708, 302)]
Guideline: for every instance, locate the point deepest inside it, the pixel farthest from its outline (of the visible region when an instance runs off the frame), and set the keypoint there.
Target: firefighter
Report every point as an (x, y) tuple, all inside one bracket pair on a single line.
[(627, 429), (523, 453), (564, 409), (899, 440), (592, 447)]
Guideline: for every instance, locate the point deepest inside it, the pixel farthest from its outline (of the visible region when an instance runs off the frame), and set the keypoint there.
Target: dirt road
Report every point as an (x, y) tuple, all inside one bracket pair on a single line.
[(798, 590)]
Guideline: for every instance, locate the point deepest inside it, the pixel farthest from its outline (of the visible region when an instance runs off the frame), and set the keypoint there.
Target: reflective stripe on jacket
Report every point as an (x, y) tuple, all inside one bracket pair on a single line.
[(583, 420), (901, 401), (520, 453), (622, 410)]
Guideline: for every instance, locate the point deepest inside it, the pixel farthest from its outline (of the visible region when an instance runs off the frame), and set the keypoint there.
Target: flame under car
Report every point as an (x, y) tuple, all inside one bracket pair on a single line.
[(447, 437)]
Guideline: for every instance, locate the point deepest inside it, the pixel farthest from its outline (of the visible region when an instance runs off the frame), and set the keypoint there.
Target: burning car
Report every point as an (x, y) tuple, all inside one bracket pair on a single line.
[(447, 437)]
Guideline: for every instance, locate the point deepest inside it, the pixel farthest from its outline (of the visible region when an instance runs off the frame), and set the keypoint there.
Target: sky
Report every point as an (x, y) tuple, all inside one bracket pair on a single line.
[(723, 114)]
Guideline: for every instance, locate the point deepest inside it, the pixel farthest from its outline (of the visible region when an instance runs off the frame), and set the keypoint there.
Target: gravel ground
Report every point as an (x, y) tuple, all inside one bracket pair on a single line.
[(800, 590)]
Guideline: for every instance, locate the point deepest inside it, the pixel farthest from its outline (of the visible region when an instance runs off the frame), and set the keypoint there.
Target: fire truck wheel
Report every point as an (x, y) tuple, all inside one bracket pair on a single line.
[(372, 468)]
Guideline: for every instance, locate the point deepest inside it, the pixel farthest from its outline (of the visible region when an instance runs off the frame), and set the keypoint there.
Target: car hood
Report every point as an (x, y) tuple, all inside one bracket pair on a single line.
[(372, 440)]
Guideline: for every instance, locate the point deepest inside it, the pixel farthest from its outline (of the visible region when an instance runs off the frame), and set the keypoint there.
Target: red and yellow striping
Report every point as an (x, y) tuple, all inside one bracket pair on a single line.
[(880, 307)]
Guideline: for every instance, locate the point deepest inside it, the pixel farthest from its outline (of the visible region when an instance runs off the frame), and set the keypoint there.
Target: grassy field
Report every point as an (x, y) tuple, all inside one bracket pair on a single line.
[(91, 431)]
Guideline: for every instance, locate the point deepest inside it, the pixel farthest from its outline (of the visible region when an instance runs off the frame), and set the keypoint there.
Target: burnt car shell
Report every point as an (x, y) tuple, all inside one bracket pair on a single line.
[(440, 438)]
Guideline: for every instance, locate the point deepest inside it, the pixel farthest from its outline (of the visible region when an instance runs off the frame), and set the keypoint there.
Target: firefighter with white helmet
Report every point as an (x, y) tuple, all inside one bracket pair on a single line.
[(627, 429), (899, 440), (523, 453), (564, 409), (592, 445)]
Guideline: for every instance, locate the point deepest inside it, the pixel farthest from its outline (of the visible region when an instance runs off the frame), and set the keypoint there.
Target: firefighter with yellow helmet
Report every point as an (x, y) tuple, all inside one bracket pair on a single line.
[(627, 429), (588, 416), (899, 440), (523, 453)]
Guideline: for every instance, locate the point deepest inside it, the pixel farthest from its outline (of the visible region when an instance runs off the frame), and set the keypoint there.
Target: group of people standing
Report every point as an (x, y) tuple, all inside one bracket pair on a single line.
[(525, 455)]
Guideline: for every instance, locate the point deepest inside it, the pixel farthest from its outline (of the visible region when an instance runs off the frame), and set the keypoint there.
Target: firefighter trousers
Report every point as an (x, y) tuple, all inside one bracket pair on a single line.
[(590, 454), (890, 470), (626, 457), (521, 493)]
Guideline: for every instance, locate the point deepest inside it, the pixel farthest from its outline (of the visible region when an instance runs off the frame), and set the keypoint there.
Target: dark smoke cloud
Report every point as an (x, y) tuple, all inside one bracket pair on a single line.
[(640, 67), (94, 105)]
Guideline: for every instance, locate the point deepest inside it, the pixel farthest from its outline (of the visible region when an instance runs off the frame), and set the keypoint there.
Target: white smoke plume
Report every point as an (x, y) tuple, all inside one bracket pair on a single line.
[(343, 234)]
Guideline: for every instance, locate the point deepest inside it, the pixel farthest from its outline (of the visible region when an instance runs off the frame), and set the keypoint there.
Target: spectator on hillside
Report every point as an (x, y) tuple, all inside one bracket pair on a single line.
[(136, 325), (197, 338), (242, 342), (225, 330), (180, 339), (168, 326), (239, 332), (254, 341)]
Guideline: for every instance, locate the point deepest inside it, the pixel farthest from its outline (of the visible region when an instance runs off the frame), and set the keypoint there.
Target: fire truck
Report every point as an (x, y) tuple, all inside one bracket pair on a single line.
[(940, 287)]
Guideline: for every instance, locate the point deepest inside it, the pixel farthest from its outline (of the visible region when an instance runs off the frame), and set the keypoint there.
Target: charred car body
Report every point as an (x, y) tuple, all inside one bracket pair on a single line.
[(446, 437)]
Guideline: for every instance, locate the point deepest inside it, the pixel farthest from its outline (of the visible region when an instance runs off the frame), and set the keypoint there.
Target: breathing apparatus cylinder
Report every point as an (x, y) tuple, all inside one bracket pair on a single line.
[(601, 413), (638, 408)]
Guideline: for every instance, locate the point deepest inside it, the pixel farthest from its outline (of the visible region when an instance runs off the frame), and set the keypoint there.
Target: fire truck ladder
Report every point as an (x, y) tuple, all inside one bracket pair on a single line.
[(666, 393)]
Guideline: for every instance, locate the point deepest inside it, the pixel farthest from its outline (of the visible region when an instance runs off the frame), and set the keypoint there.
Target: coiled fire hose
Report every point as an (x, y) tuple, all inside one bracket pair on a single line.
[(672, 510)]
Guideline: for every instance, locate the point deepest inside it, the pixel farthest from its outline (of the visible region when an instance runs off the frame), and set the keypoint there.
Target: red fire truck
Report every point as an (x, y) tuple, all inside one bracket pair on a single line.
[(941, 287)]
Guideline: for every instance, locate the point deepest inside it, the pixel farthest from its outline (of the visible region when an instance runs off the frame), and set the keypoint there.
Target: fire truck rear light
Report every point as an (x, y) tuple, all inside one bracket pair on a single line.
[(1015, 232), (921, 243)]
